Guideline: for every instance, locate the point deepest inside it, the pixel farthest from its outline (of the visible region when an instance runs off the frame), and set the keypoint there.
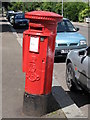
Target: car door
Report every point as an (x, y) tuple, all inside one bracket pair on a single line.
[(84, 69), (88, 82)]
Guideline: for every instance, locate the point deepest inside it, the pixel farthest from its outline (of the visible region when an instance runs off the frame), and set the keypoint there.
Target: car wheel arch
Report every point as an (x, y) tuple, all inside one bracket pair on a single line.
[(68, 61), (75, 84)]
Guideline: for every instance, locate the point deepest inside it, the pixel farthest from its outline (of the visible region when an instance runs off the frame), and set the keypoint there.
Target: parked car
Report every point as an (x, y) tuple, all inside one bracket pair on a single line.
[(13, 16), (9, 13), (68, 38), (87, 19), (78, 69), (20, 21)]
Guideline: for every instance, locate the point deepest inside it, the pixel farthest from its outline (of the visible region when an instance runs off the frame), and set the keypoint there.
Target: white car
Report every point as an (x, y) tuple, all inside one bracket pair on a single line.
[(13, 15), (78, 69), (87, 20), (8, 14)]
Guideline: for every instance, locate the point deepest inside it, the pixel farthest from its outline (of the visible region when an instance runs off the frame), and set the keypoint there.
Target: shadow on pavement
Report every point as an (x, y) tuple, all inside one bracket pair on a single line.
[(2, 20), (53, 105), (5, 28), (59, 60), (67, 99), (21, 29), (61, 96), (80, 98)]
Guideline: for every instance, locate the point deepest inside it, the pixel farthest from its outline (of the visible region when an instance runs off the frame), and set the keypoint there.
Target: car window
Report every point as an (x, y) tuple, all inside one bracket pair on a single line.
[(70, 27), (65, 26), (10, 14), (19, 17), (61, 27)]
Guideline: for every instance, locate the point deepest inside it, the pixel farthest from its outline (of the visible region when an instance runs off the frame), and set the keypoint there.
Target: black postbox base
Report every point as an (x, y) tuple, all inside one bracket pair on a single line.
[(37, 105)]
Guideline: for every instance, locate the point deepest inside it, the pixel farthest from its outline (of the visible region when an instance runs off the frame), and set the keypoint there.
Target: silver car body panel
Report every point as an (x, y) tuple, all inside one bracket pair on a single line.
[(82, 70)]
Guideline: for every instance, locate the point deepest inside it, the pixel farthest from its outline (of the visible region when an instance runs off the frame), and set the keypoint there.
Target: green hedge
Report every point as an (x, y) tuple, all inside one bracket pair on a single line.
[(72, 10)]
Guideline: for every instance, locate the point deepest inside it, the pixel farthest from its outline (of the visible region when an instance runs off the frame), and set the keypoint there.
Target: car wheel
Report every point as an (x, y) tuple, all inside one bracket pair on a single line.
[(70, 77)]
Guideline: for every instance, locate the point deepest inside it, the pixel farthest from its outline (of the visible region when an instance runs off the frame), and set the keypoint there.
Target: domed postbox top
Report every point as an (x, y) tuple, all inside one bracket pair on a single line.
[(43, 15)]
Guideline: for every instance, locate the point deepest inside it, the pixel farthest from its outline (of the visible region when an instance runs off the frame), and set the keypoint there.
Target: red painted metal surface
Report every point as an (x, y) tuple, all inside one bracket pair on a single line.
[(38, 51)]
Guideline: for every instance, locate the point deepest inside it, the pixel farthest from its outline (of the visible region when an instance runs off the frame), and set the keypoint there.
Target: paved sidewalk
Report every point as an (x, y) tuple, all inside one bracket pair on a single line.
[(13, 78)]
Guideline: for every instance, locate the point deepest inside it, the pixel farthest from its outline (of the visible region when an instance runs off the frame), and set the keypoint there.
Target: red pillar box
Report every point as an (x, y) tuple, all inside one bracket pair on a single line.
[(38, 59)]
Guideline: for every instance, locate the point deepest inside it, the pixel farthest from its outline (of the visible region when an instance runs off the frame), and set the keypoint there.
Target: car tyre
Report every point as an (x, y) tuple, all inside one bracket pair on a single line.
[(70, 77)]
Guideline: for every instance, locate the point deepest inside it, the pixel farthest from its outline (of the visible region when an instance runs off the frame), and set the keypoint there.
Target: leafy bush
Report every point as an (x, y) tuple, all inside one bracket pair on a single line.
[(85, 13), (71, 10)]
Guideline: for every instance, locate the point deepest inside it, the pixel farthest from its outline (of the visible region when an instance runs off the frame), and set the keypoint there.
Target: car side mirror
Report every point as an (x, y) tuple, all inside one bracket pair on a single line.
[(77, 29), (82, 59), (83, 55), (12, 17)]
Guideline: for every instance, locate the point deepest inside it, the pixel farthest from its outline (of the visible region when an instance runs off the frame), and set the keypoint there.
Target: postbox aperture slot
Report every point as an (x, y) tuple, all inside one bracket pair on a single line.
[(34, 44), (36, 28)]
